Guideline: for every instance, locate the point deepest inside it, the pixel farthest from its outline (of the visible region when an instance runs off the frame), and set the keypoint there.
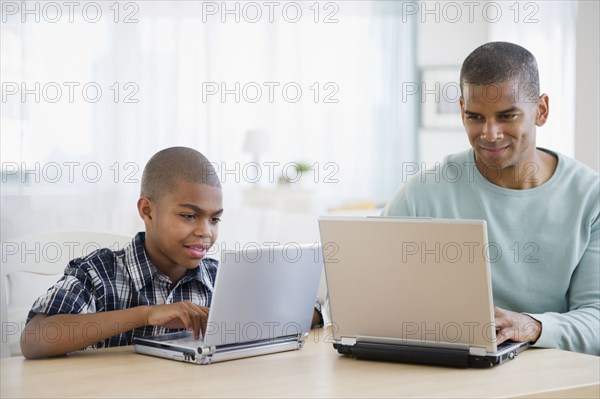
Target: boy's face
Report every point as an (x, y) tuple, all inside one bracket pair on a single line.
[(181, 226), (501, 123)]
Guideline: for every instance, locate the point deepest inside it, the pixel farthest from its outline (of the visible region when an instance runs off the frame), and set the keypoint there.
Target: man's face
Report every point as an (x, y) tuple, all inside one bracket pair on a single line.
[(501, 121), (182, 225)]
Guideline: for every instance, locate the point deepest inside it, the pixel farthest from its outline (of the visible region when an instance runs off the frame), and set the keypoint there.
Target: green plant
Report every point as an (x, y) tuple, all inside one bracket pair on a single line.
[(300, 168)]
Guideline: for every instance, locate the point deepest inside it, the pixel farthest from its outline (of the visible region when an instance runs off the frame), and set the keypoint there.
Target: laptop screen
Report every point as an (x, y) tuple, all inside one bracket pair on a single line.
[(262, 293), (413, 281)]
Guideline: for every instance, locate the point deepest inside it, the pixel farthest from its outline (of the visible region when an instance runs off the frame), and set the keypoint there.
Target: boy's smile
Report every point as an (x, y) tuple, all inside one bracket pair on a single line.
[(181, 226), (197, 251)]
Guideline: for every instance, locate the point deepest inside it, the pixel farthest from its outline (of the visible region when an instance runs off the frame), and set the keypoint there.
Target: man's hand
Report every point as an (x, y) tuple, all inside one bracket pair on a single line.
[(515, 326), (186, 315)]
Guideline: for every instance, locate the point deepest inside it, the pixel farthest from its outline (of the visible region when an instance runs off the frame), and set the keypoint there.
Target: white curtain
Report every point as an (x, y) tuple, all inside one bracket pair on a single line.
[(141, 86)]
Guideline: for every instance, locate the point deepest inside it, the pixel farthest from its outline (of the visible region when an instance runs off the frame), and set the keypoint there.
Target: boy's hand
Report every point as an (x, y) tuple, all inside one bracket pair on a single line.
[(518, 327), (186, 315)]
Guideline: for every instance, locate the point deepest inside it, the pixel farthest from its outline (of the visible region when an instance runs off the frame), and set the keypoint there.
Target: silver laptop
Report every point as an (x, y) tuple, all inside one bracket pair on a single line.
[(263, 303), (412, 290)]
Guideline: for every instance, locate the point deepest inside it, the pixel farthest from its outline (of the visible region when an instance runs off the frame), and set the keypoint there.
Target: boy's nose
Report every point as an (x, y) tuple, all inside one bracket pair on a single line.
[(202, 229)]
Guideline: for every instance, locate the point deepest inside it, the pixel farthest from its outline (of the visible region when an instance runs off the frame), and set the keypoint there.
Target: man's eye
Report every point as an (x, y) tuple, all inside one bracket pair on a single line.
[(508, 117), (215, 220), (473, 117), (188, 216)]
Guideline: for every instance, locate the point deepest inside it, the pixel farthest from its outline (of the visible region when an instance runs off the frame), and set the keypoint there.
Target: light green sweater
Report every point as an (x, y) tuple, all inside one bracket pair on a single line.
[(544, 242)]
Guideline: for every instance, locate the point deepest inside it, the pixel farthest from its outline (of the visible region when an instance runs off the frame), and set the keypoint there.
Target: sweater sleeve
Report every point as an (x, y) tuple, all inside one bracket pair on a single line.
[(577, 329)]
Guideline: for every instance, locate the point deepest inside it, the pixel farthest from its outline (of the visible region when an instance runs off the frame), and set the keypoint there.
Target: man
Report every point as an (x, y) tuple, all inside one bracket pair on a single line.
[(541, 207)]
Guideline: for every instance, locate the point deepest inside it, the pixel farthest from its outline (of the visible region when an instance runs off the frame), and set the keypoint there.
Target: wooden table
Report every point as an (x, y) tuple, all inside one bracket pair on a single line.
[(315, 371)]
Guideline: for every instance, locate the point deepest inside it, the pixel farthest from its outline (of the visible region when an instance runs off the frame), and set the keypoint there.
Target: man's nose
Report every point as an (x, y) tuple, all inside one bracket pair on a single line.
[(491, 131)]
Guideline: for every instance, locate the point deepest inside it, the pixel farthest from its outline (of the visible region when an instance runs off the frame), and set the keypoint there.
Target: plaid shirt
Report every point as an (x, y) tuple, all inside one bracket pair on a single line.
[(108, 280)]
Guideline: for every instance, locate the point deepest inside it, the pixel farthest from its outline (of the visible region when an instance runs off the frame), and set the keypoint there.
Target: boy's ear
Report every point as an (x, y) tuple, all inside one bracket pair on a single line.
[(145, 209)]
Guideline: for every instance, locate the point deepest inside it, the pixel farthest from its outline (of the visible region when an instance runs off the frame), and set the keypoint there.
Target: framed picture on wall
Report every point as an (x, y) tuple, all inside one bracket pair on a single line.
[(440, 92)]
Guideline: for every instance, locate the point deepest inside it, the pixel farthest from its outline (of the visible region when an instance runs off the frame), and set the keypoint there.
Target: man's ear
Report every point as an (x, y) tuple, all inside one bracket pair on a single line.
[(543, 110), (145, 209)]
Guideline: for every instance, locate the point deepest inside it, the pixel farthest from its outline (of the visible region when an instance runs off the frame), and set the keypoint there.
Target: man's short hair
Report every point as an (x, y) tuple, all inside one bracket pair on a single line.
[(170, 165), (498, 62)]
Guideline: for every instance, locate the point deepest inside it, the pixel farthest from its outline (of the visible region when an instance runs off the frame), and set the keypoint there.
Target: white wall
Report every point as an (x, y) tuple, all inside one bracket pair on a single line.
[(587, 128)]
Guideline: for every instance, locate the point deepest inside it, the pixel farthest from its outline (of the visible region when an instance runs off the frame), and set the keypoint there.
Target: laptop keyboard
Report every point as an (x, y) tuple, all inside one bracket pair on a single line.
[(506, 344)]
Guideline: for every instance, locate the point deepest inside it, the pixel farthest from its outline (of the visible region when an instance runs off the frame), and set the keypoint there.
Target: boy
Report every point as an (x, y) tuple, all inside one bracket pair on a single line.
[(160, 281)]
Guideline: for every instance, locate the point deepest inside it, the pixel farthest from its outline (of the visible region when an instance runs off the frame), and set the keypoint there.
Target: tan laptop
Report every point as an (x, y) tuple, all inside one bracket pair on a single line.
[(412, 290)]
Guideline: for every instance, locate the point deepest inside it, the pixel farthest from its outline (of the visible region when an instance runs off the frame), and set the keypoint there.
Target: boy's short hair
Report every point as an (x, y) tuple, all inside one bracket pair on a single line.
[(170, 165), (498, 62)]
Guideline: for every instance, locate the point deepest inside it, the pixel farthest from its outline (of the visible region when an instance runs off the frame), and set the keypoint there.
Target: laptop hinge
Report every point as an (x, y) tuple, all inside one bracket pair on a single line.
[(348, 341), (477, 351), (207, 350)]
